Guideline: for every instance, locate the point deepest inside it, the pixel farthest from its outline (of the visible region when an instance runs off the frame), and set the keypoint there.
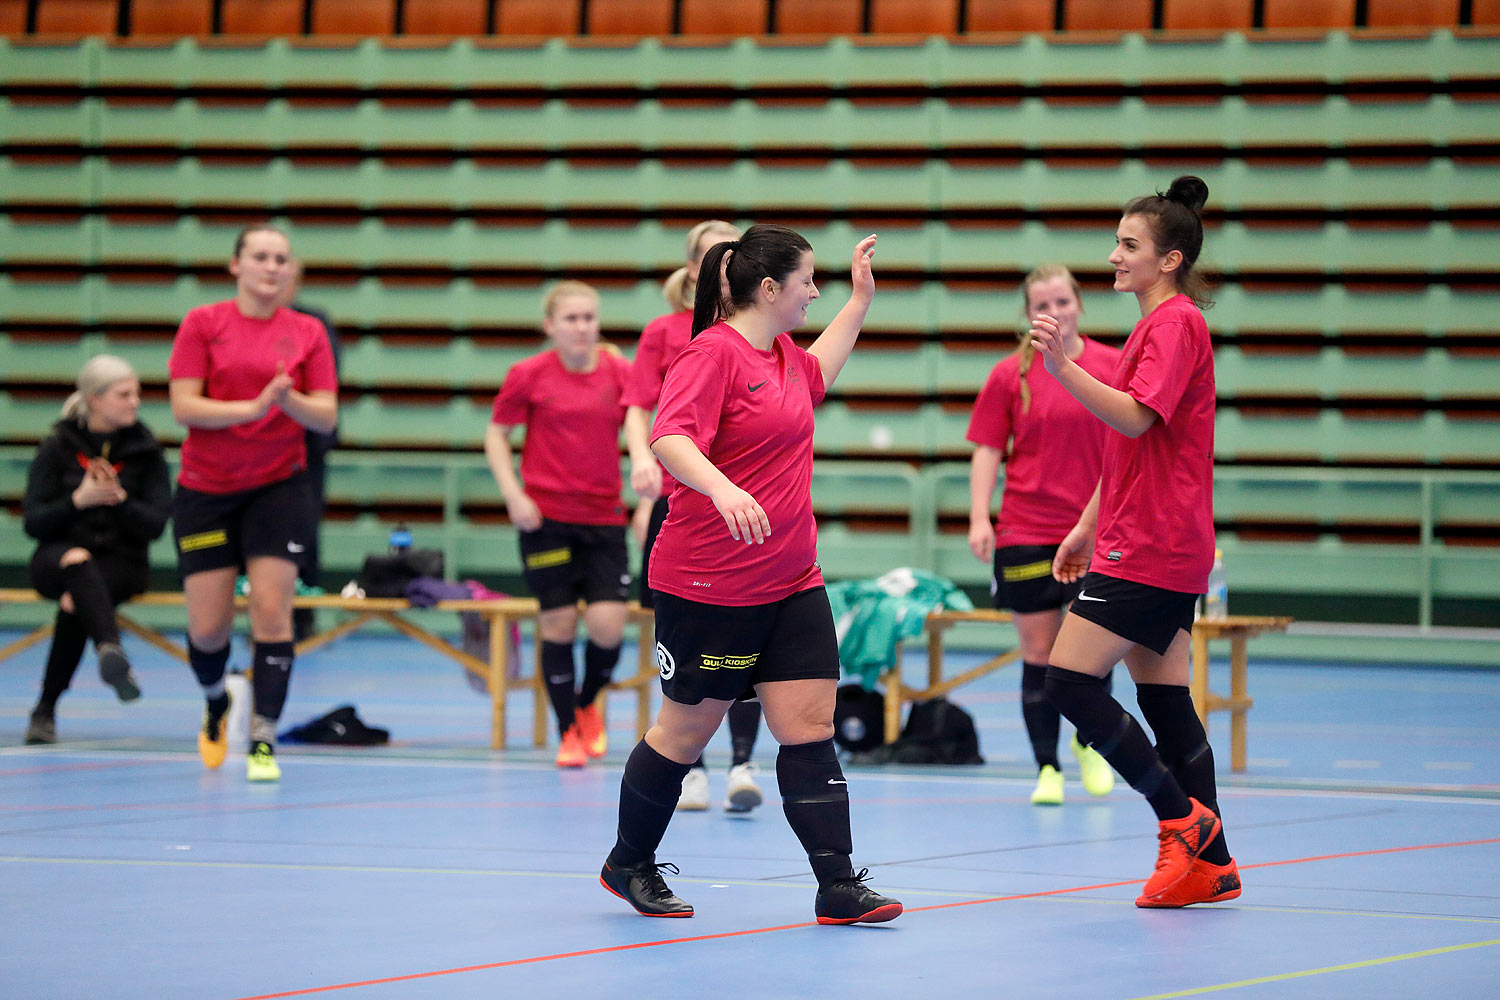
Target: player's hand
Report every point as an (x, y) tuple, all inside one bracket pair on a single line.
[(860, 273), (1073, 555), (645, 478), (524, 513), (1048, 340), (746, 520), (275, 391), (982, 540)]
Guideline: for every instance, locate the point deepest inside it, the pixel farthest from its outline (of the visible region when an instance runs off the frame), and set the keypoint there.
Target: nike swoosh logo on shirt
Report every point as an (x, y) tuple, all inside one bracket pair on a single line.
[(1085, 597), (752, 388)]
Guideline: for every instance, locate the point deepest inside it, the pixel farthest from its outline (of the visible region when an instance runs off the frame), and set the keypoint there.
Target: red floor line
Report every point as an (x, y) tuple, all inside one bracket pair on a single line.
[(1380, 850), (787, 927), (527, 961)]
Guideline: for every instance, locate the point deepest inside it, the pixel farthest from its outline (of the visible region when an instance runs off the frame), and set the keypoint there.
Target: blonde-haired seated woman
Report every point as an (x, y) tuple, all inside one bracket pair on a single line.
[(97, 494)]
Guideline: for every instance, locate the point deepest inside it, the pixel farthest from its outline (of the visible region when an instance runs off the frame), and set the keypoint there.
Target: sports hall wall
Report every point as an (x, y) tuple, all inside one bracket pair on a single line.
[(436, 171)]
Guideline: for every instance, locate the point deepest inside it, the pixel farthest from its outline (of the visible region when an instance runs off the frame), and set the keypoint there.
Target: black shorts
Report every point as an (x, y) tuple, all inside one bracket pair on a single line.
[(1146, 615), (658, 517), (565, 563), (1023, 580), (220, 530), (722, 652)]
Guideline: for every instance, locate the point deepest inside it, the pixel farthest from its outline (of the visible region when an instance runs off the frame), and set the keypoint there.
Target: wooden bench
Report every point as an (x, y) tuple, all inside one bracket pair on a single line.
[(1238, 629), (496, 671), (938, 686)]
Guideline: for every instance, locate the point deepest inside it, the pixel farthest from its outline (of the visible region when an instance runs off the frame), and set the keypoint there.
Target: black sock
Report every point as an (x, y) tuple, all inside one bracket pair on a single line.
[(1040, 715), (209, 669), (557, 674), (91, 602), (648, 797), (271, 677), (815, 798), (1183, 747), (598, 667), (68, 643), (1103, 724), (744, 725)]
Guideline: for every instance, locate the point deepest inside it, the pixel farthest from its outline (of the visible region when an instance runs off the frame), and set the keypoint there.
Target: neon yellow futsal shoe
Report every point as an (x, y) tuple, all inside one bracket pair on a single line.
[(1098, 777), (261, 764), (1049, 787)]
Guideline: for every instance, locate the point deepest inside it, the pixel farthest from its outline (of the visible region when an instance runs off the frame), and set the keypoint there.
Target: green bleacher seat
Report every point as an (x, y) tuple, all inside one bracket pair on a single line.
[(1347, 437), (1331, 373), (368, 422)]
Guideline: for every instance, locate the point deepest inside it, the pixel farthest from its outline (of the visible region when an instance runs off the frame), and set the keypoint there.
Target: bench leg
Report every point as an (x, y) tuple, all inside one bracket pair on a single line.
[(25, 642), (499, 678), (892, 681), (1198, 678), (152, 636), (539, 689), (1238, 690)]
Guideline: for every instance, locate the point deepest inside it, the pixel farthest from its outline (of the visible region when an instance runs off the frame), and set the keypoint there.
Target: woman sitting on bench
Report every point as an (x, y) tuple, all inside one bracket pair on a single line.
[(97, 494)]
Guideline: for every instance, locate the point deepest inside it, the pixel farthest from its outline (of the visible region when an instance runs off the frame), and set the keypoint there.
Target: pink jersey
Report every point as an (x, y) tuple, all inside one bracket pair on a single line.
[(751, 413), (235, 356), (1058, 446), (661, 341), (1156, 509), (570, 465)]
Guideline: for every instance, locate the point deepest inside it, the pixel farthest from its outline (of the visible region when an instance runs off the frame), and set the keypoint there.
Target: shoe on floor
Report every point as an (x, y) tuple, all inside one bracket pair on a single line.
[(591, 730), (1204, 883), (694, 796), (41, 730), (570, 752), (261, 764), (114, 670), (741, 794), (642, 886), (850, 901), (213, 737), (1049, 787), (1180, 843), (1098, 777)]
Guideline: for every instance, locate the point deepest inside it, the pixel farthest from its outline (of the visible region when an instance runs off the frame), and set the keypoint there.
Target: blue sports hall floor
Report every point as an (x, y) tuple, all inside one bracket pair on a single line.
[(1367, 828)]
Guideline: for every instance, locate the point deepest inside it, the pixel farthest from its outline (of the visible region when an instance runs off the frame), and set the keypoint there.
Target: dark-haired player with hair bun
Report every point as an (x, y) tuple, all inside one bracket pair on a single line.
[(740, 603), (1144, 545)]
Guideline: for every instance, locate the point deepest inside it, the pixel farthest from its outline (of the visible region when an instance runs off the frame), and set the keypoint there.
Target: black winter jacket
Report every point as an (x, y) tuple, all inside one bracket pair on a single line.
[(125, 530)]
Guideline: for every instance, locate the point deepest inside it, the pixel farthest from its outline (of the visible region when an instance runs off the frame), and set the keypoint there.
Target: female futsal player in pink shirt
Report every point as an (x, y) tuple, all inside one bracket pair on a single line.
[(740, 603), (1144, 545)]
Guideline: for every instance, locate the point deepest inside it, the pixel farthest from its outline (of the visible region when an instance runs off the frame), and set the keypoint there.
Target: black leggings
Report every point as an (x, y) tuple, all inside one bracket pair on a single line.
[(98, 585)]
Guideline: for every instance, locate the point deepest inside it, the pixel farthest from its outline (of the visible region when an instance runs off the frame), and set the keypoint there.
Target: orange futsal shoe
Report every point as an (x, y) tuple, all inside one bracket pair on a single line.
[(1204, 883), (571, 753), (213, 738), (1182, 840), (591, 730)]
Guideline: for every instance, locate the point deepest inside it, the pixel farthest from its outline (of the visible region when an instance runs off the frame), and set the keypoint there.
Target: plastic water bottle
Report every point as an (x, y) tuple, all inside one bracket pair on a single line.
[(237, 724), (400, 539), (1216, 600)]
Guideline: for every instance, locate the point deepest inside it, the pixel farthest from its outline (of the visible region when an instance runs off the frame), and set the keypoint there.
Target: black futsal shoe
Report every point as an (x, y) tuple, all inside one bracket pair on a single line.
[(642, 886), (850, 901)]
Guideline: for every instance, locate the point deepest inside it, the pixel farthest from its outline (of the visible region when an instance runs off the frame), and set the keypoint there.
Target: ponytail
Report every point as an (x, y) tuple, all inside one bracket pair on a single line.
[(708, 302)]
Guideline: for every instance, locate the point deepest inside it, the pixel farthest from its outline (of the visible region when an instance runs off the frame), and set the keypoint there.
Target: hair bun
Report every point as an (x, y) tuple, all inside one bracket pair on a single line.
[(1190, 191)]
